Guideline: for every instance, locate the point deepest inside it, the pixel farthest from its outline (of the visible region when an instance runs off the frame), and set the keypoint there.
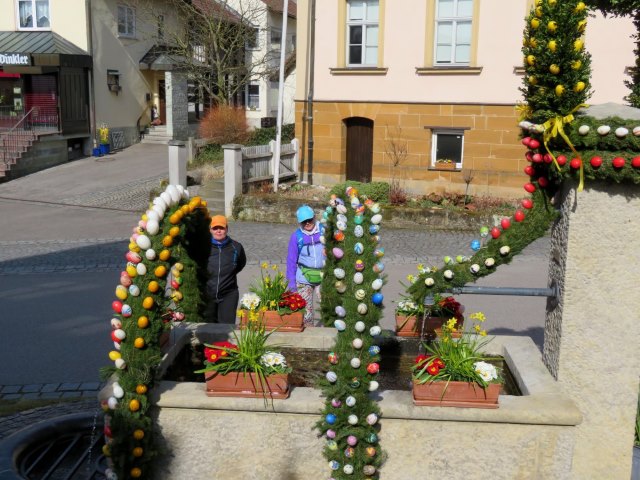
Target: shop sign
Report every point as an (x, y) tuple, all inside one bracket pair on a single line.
[(15, 59)]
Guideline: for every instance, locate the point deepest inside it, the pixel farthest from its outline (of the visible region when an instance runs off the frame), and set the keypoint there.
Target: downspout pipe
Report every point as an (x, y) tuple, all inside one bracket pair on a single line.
[(92, 96), (312, 48)]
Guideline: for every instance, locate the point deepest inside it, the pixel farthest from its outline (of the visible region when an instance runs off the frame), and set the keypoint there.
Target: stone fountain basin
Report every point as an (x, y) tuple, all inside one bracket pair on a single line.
[(529, 436)]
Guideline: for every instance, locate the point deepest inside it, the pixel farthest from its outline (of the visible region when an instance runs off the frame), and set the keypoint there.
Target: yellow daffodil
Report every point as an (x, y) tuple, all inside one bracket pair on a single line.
[(477, 328), (274, 267), (483, 333), (264, 265), (411, 278)]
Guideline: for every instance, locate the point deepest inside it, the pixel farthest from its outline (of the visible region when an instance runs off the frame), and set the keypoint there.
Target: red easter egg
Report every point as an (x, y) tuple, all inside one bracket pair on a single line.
[(116, 305), (635, 162), (543, 182), (575, 163), (175, 285), (518, 216), (107, 431), (547, 158), (505, 223), (525, 141), (114, 338), (537, 158), (529, 156), (618, 162), (495, 232), (530, 187), (533, 144), (561, 160), (595, 162), (527, 203), (373, 368), (529, 170)]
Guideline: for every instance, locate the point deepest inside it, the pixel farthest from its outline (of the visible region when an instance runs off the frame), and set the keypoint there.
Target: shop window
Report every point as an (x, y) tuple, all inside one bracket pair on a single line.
[(126, 21), (34, 15)]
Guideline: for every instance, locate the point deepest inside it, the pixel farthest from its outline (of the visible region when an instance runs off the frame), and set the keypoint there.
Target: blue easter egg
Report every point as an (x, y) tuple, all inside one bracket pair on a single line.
[(358, 219), (475, 245), (358, 248), (377, 298), (373, 229), (330, 418), (374, 350)]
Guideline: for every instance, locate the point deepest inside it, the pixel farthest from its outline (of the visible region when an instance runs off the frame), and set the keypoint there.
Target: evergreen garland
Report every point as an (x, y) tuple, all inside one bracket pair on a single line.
[(350, 416), (146, 303)]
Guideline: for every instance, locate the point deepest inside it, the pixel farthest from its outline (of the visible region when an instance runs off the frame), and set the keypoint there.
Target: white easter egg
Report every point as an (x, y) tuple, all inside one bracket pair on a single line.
[(338, 273), (636, 131), (350, 401), (153, 227), (348, 469), (116, 323), (159, 201), (504, 250), (362, 308), (352, 419), (143, 242), (180, 189), (134, 290), (375, 208), (186, 194), (376, 219), (341, 209), (360, 326), (159, 210), (175, 194), (152, 215), (373, 386), (358, 278), (110, 474), (372, 419), (377, 284), (604, 129), (332, 376), (340, 325), (583, 129), (355, 362), (112, 403), (150, 254), (341, 287), (341, 218), (166, 198), (429, 282), (621, 132), (119, 334), (448, 274), (358, 231), (118, 391), (375, 330), (489, 262), (475, 268), (355, 201), (360, 294), (120, 363), (341, 225), (141, 269), (340, 311), (357, 343)]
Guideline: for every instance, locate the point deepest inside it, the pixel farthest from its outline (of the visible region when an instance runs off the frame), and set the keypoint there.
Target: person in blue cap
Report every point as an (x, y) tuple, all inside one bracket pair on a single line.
[(305, 259)]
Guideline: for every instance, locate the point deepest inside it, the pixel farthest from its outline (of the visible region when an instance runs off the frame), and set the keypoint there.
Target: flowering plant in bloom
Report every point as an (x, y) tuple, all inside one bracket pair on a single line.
[(271, 293), (408, 307), (103, 133), (275, 362), (449, 359)]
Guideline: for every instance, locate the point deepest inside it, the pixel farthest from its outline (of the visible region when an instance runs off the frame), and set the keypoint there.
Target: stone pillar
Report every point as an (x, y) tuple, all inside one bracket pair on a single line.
[(591, 335), (177, 105), (232, 175), (177, 163)]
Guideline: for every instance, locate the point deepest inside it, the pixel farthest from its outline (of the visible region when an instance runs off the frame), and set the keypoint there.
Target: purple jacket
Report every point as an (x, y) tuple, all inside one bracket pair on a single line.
[(309, 254)]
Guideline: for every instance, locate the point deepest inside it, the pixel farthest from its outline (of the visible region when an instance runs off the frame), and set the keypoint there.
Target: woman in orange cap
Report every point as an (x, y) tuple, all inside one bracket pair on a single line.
[(226, 260)]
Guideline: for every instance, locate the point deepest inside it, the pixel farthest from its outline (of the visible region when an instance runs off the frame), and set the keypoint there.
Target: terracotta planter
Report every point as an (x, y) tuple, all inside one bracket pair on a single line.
[(411, 326), (456, 394), (247, 385), (454, 334), (293, 322), (445, 166)]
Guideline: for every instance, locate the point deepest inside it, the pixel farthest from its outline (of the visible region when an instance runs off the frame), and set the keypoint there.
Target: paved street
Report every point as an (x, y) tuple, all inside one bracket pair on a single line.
[(64, 232)]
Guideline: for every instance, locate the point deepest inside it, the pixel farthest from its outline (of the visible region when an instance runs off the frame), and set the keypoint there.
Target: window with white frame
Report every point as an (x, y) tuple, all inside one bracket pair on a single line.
[(362, 33), (252, 40), (453, 32), (276, 37), (253, 96), (34, 15), (126, 21), (447, 147)]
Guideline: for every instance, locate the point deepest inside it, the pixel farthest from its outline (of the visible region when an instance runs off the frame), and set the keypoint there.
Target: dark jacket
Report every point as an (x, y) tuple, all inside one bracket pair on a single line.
[(225, 262)]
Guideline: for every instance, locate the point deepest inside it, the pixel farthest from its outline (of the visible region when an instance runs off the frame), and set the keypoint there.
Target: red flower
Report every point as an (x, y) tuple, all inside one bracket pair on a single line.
[(420, 359), (433, 369), (212, 355), (439, 363)]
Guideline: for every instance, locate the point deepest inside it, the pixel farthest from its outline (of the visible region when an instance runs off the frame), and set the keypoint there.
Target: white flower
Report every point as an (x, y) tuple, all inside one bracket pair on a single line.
[(273, 359), (486, 371), (250, 301)]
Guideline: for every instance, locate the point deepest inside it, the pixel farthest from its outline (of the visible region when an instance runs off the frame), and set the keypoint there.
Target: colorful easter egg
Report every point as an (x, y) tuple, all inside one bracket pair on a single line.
[(352, 440), (374, 350), (330, 418), (340, 325), (372, 419), (357, 343), (358, 231), (359, 265), (378, 267), (336, 403), (475, 245), (126, 311), (349, 452), (341, 218), (134, 290), (348, 469), (375, 208), (122, 293), (333, 358), (340, 311), (338, 235), (373, 368), (362, 308), (332, 377), (358, 248), (475, 268), (350, 401), (150, 254), (341, 209), (341, 287), (338, 273), (352, 419), (373, 386), (341, 225), (360, 294), (143, 242), (358, 219), (379, 252), (331, 433), (338, 253)]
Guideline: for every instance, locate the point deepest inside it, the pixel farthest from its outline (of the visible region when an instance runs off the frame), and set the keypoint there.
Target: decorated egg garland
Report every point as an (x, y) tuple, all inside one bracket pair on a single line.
[(354, 312), (141, 310)]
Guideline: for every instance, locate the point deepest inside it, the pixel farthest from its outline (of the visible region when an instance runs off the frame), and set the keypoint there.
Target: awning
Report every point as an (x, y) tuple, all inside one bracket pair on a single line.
[(47, 49)]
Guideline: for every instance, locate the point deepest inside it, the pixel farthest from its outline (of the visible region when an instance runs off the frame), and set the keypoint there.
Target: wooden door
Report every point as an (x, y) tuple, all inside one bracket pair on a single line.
[(359, 149), (162, 100)]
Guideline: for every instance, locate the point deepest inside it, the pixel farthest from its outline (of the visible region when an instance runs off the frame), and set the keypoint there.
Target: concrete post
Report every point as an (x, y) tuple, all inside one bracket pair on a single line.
[(272, 168), (177, 163), (190, 148), (296, 156), (232, 175), (591, 334)]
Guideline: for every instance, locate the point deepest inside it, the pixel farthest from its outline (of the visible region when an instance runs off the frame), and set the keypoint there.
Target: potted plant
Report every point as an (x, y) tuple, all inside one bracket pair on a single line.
[(246, 368), (103, 133), (272, 303), (445, 164), (454, 373), (414, 319)]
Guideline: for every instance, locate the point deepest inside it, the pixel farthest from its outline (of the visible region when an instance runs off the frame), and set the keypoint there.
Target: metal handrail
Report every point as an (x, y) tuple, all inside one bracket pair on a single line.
[(21, 136)]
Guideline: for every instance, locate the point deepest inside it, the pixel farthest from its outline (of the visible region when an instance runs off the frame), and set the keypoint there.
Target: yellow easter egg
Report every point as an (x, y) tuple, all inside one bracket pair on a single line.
[(578, 87), (114, 355), (555, 69), (153, 286), (164, 255), (134, 405), (135, 472), (121, 292), (137, 452), (167, 241), (535, 23), (552, 45), (552, 26), (531, 59), (174, 231), (143, 322), (559, 90), (147, 303), (160, 271), (138, 342), (131, 271), (576, 64), (133, 246), (138, 434), (179, 266), (141, 389), (577, 45)]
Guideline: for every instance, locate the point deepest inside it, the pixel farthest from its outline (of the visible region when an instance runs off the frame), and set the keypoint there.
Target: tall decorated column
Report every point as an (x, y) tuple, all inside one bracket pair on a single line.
[(352, 303), (590, 168)]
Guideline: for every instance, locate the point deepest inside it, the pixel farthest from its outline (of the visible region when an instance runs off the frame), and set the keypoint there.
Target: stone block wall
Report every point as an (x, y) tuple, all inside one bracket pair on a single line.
[(177, 103), (492, 146)]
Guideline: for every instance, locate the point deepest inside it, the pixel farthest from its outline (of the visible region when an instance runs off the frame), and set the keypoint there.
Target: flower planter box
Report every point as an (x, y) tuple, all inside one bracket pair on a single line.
[(104, 148), (411, 326), (247, 385), (293, 322), (445, 166), (455, 394)]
